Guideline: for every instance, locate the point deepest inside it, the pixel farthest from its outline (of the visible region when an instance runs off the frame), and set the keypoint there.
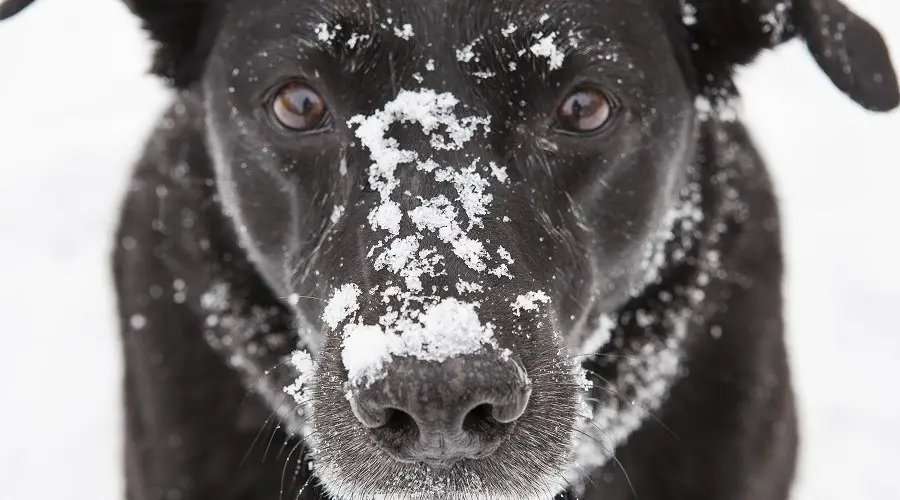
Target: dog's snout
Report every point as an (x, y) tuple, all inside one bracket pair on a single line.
[(442, 412)]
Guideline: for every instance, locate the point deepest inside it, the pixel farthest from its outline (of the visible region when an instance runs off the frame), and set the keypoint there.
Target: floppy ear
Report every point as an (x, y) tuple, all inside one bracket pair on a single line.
[(183, 30), (848, 49), (9, 8)]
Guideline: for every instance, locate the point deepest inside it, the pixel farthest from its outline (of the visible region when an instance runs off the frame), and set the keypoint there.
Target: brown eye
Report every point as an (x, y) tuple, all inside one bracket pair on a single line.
[(584, 110), (298, 107)]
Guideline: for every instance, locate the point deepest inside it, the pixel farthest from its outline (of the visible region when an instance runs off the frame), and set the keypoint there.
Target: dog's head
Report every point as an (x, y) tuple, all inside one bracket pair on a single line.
[(473, 189)]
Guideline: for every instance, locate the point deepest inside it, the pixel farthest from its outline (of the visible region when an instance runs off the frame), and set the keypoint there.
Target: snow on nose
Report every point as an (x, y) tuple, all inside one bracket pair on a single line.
[(419, 324)]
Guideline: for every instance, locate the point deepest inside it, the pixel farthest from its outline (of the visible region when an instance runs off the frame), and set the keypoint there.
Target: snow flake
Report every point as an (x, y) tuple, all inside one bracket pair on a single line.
[(337, 213), (406, 32), (137, 322), (342, 304), (529, 302), (688, 13), (546, 47), (324, 33)]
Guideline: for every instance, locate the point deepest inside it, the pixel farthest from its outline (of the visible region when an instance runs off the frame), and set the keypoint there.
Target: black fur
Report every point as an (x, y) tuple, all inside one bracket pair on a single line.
[(221, 202)]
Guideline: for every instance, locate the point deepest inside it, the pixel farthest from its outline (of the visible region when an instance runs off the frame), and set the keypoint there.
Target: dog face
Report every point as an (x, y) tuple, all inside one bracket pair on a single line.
[(546, 160), (470, 197), (454, 197)]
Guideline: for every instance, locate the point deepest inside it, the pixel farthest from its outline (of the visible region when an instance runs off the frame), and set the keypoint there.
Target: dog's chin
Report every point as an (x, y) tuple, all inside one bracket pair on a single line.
[(493, 478)]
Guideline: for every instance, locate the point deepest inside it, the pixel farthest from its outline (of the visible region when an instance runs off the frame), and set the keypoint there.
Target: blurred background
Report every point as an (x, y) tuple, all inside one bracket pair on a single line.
[(76, 108)]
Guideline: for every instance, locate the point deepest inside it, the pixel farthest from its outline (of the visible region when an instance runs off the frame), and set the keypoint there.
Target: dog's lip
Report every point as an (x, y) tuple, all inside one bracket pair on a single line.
[(440, 463)]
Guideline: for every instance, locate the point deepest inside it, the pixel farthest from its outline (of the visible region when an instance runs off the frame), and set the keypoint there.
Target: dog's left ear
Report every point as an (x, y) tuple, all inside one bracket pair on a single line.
[(9, 8), (183, 30), (848, 49)]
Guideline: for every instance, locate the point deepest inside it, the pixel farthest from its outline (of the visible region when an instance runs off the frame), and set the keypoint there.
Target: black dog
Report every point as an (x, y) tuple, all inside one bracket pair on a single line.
[(463, 249)]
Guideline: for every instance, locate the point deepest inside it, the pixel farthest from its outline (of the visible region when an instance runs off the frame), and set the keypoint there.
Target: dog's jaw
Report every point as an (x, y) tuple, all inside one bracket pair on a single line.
[(421, 483)]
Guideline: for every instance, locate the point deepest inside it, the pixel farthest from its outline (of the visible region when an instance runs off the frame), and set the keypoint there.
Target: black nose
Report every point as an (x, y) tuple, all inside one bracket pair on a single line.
[(440, 413)]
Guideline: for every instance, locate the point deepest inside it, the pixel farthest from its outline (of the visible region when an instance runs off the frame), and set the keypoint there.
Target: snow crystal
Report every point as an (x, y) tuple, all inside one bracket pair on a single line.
[(483, 74), (468, 287), (365, 350), (470, 187), (529, 302), (545, 47), (505, 255), (444, 330), (428, 165), (403, 257), (439, 215), (398, 254), (498, 172), (725, 109), (337, 213), (302, 363), (341, 305), (386, 216), (509, 30), (354, 39), (688, 13), (543, 19), (324, 33), (406, 32), (466, 53), (137, 322), (216, 298)]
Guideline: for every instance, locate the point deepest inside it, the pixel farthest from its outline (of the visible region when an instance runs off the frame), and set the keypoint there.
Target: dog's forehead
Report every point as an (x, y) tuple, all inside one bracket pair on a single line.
[(455, 20)]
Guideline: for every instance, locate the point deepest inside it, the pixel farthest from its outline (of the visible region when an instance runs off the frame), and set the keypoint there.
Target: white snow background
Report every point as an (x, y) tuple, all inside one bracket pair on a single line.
[(76, 108)]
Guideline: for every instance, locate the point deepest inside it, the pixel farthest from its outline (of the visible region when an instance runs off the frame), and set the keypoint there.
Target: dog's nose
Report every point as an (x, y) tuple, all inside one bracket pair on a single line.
[(440, 413)]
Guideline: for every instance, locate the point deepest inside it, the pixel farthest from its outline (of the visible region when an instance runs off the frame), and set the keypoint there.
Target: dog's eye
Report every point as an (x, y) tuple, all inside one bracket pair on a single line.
[(584, 110), (298, 107)]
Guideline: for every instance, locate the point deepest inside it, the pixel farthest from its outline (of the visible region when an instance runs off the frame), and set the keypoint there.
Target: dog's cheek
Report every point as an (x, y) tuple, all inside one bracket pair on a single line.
[(264, 230)]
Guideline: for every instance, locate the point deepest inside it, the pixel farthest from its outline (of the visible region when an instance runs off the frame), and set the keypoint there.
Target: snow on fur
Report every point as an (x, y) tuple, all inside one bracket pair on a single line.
[(342, 304), (529, 302), (418, 324)]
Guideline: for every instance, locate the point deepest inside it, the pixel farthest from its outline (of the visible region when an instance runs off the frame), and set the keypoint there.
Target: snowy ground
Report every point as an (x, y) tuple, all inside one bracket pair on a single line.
[(75, 109)]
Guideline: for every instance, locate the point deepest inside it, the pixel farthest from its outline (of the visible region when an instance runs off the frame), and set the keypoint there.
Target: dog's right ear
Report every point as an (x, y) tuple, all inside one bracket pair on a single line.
[(183, 30)]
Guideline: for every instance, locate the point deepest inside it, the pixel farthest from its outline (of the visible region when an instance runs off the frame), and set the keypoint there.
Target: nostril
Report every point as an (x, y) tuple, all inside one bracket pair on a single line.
[(398, 435), (478, 420), (469, 418), (398, 421)]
